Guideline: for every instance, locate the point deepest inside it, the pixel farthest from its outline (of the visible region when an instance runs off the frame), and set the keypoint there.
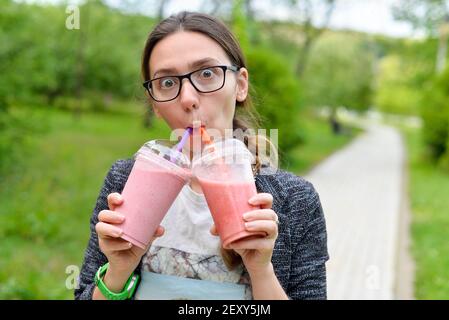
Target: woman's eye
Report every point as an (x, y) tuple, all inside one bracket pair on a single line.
[(206, 73), (167, 83)]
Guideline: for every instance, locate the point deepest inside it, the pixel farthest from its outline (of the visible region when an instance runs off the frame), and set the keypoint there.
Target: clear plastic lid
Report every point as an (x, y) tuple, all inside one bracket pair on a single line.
[(227, 151), (226, 160), (164, 153)]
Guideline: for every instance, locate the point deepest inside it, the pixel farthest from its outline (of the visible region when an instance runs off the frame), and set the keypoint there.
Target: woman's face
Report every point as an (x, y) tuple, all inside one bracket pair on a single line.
[(183, 52)]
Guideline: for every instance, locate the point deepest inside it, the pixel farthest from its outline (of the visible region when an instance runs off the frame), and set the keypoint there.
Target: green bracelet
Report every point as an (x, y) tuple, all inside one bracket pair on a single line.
[(127, 292)]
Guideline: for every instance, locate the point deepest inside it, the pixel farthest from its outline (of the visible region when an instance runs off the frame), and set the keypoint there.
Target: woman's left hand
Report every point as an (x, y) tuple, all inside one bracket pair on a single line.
[(256, 253)]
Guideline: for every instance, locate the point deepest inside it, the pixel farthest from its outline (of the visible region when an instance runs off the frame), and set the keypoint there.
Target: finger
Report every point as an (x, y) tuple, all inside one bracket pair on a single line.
[(261, 214), (115, 244), (109, 216), (253, 244), (268, 226), (105, 230), (213, 230), (159, 232), (263, 200), (114, 200)]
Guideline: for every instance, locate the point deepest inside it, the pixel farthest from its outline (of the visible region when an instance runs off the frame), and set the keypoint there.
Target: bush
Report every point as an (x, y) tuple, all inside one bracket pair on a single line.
[(16, 124), (10, 137), (435, 112), (396, 93), (339, 72), (444, 160), (277, 95), (90, 102)]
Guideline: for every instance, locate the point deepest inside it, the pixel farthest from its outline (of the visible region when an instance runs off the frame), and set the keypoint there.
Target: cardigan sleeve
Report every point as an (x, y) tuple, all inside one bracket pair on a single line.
[(93, 257), (309, 245)]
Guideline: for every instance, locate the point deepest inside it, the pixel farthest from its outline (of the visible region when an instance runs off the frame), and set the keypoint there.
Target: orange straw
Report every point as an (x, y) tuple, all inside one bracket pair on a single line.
[(205, 137)]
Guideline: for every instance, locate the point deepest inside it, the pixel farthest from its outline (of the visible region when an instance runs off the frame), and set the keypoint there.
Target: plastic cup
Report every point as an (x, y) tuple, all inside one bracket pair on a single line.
[(225, 175), (153, 184)]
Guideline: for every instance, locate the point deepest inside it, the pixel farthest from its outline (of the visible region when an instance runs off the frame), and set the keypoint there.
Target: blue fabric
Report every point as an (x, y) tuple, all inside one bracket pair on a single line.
[(154, 286)]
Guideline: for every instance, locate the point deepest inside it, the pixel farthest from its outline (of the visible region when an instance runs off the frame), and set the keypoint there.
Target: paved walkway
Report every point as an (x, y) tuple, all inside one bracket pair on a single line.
[(360, 188)]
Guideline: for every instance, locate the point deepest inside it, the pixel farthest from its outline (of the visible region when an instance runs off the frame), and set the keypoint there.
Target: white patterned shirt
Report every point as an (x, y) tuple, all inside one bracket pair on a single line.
[(185, 263)]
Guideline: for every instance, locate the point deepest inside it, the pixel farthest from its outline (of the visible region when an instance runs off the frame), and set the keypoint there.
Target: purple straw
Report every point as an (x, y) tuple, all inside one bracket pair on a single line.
[(181, 144)]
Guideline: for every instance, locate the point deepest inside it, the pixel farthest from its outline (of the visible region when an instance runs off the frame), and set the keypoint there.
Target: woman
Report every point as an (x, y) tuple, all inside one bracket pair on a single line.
[(185, 257)]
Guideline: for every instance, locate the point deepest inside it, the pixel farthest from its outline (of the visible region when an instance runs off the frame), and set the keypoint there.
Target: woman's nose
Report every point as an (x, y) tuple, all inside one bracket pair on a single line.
[(188, 96)]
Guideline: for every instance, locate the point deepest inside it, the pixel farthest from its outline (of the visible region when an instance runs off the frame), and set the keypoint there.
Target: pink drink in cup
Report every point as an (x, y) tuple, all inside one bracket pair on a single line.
[(226, 178), (152, 186)]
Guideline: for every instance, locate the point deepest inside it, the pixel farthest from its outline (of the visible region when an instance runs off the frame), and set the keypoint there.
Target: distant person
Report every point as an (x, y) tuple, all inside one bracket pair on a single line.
[(335, 124), (288, 263)]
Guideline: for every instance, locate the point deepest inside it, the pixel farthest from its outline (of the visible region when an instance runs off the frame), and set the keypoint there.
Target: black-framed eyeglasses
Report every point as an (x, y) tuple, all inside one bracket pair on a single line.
[(204, 80)]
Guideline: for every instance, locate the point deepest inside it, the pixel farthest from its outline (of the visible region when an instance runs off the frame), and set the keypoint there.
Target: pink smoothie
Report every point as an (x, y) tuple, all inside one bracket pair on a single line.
[(148, 194), (228, 201)]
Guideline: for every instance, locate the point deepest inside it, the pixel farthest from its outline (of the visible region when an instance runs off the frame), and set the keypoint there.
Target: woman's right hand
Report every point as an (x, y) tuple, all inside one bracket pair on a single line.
[(121, 254)]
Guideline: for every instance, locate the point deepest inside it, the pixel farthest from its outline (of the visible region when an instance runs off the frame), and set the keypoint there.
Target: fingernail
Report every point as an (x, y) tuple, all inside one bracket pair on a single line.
[(248, 225), (245, 216), (251, 201), (121, 216)]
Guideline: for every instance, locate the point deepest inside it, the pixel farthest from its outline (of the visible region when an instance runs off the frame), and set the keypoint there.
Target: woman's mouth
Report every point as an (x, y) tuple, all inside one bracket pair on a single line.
[(196, 124)]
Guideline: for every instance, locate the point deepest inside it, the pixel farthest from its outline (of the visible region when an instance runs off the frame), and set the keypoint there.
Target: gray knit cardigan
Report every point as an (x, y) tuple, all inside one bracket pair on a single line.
[(300, 251)]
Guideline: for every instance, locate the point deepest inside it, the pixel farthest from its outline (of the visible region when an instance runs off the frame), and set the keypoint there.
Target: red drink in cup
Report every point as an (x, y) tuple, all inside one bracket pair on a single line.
[(225, 175), (157, 177)]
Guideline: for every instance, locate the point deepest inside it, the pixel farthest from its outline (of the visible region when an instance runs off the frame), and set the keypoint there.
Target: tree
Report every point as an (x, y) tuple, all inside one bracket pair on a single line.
[(340, 75), (430, 16), (277, 95), (240, 24), (81, 53), (217, 7), (305, 12), (404, 69), (394, 93), (162, 7)]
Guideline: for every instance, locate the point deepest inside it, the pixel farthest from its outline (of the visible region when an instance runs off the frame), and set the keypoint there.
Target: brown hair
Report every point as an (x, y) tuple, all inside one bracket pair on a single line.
[(245, 116)]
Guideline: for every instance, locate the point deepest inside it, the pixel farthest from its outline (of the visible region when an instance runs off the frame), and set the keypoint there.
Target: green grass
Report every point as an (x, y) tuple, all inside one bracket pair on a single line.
[(47, 198), (47, 201), (429, 196)]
